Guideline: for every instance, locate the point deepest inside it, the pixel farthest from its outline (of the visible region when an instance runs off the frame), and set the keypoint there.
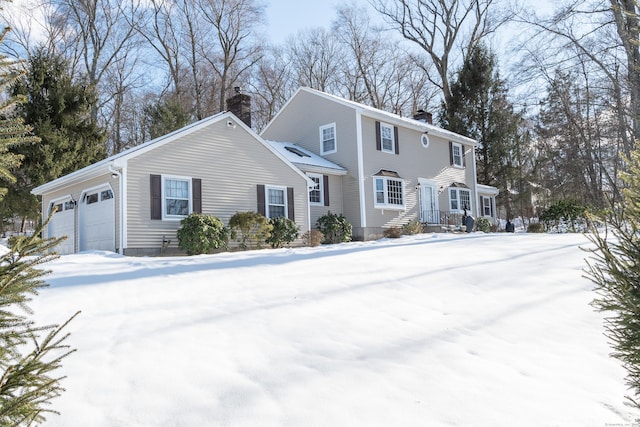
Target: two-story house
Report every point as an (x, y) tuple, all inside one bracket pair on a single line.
[(398, 169)]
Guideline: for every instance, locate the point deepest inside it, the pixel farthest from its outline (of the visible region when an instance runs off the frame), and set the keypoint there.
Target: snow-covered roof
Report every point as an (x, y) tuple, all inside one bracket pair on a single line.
[(487, 189), (305, 159)]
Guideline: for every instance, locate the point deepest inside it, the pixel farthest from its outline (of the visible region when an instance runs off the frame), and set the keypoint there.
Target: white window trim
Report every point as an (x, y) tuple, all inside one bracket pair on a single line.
[(393, 138), (266, 199), (484, 200), (453, 145), (335, 139), (459, 200), (165, 216), (320, 188), (386, 204)]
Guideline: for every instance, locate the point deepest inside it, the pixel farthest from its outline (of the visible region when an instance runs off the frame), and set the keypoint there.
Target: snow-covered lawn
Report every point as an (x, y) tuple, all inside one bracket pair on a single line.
[(429, 330)]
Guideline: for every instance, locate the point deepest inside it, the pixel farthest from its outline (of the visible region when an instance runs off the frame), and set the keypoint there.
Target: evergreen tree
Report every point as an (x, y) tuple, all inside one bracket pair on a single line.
[(164, 117), (13, 131), (29, 355), (59, 110), (615, 270), (478, 108)]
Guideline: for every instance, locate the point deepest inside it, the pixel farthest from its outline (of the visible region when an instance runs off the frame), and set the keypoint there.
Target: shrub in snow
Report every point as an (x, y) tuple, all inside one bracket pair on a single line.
[(29, 355), (411, 228), (483, 224), (565, 216), (250, 229), (284, 231), (335, 228), (312, 238), (202, 234), (614, 268), (392, 233), (535, 227)]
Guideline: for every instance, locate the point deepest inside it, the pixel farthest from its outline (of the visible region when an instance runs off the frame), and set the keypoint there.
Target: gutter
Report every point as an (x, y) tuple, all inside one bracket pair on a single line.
[(121, 175)]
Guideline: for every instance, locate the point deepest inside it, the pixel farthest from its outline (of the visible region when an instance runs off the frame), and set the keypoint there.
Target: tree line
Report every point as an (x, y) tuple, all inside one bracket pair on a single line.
[(104, 75)]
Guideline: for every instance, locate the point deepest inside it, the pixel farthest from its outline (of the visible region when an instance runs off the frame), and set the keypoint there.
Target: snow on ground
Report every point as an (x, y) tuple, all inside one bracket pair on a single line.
[(428, 330)]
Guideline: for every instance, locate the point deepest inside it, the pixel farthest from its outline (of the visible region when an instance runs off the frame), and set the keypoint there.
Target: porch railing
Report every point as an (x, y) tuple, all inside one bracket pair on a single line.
[(442, 217)]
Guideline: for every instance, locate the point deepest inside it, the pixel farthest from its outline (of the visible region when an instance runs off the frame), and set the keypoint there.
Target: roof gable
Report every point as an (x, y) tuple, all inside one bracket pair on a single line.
[(379, 115)]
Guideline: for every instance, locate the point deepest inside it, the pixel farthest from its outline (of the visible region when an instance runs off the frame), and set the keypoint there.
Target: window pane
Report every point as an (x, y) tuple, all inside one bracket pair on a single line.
[(176, 188), (276, 211), (328, 139), (106, 195), (91, 198), (177, 207), (394, 190), (465, 199), (315, 195), (453, 197), (276, 196), (387, 138)]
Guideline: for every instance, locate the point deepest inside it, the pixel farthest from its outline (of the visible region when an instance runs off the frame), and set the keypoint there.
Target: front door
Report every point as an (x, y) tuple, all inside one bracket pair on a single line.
[(429, 212)]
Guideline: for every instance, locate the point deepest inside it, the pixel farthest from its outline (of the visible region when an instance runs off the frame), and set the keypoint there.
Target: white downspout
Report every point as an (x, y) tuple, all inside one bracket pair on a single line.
[(475, 181), (363, 215), (121, 217)]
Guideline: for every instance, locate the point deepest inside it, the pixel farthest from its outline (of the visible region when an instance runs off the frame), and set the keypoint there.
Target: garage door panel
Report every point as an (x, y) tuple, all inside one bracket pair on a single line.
[(62, 224), (97, 221)]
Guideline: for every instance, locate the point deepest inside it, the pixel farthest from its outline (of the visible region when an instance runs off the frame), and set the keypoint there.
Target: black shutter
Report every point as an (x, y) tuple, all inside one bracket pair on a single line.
[(290, 204), (325, 186), (378, 137), (395, 134), (451, 153), (156, 197), (261, 203), (464, 158), (196, 191)]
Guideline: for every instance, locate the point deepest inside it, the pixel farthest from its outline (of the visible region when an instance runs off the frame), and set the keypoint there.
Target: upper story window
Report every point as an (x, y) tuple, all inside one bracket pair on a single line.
[(456, 154), (328, 142), (177, 197), (388, 142), (387, 138), (317, 192), (486, 206), (388, 192)]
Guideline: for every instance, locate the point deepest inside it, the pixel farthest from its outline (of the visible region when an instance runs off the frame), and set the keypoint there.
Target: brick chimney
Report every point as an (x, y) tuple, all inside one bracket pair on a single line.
[(423, 116), (240, 105)]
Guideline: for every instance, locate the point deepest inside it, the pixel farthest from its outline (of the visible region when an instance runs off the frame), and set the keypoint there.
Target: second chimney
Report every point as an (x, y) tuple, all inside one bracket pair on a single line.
[(423, 116), (240, 105)]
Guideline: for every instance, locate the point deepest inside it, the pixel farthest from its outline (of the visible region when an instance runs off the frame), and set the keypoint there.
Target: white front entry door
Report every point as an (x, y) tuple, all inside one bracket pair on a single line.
[(429, 212)]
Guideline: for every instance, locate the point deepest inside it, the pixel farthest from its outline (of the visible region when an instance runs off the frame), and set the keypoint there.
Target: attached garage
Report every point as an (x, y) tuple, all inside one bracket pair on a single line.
[(63, 224), (96, 220)]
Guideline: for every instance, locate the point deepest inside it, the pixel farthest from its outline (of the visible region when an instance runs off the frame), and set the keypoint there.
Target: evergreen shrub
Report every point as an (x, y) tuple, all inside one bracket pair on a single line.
[(565, 216), (483, 224), (284, 231), (202, 234), (29, 354), (250, 229), (335, 228), (614, 269)]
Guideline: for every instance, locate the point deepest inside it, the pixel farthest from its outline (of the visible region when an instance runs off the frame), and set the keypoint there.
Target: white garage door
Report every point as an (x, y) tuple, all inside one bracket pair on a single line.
[(96, 217), (63, 224)]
